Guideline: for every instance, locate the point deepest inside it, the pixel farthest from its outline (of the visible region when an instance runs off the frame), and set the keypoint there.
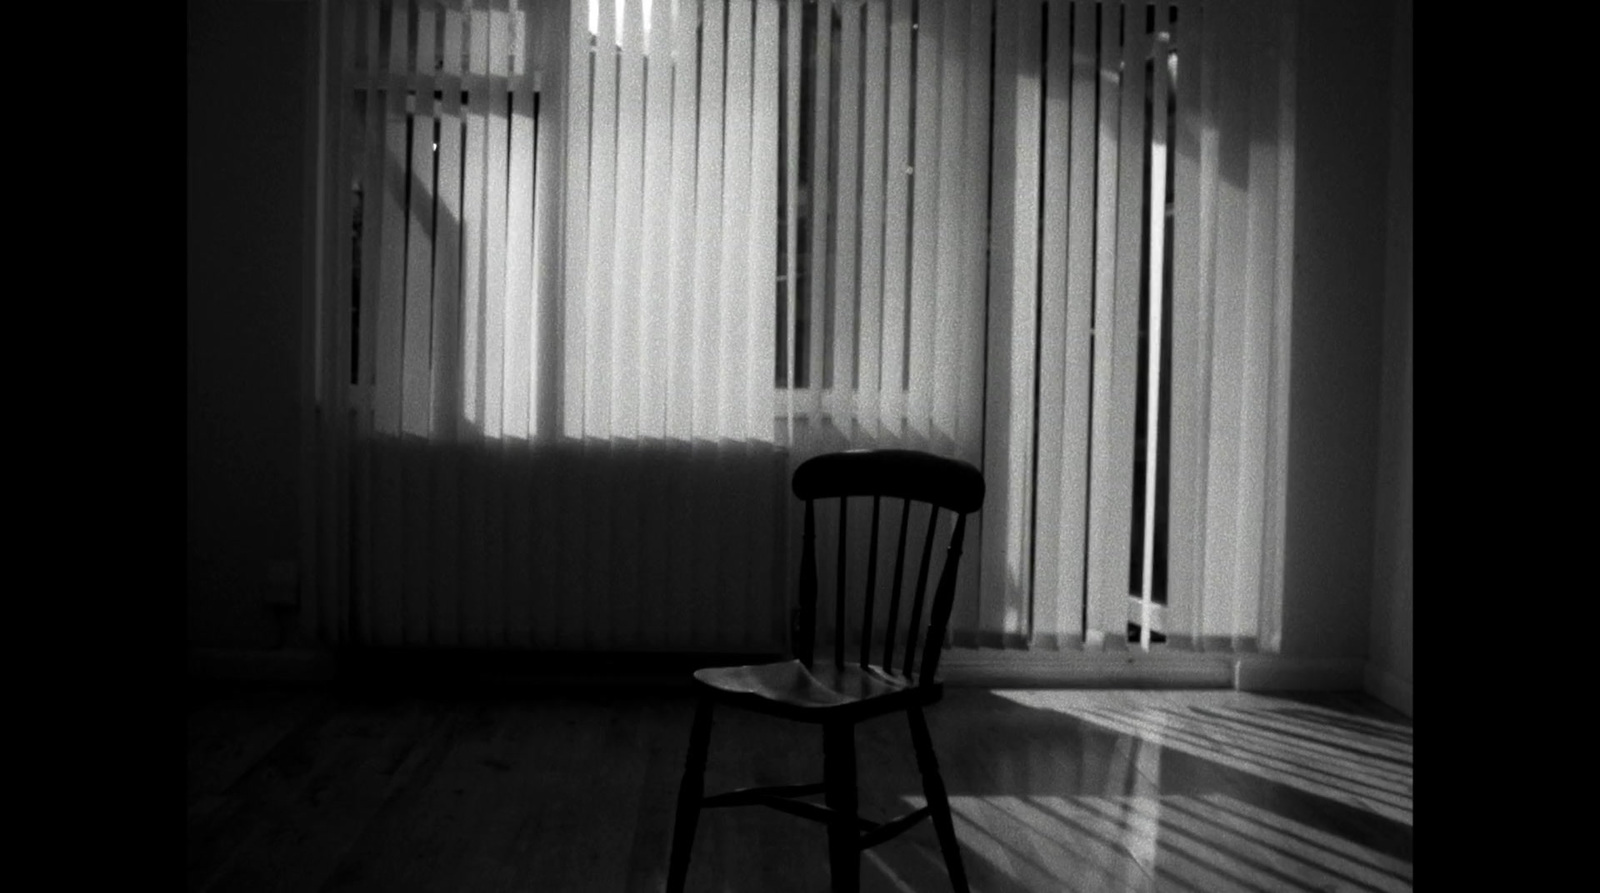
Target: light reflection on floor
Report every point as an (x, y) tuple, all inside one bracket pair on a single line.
[(1161, 824), (1210, 843), (1313, 749)]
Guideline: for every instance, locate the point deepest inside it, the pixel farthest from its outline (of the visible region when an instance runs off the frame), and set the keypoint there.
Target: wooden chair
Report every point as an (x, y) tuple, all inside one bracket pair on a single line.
[(838, 694)]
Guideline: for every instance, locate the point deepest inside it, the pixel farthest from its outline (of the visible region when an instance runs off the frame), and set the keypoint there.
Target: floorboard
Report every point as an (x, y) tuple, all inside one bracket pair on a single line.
[(365, 789)]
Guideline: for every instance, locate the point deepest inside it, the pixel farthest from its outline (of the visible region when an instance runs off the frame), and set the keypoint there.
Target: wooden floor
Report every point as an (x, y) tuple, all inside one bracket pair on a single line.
[(574, 790)]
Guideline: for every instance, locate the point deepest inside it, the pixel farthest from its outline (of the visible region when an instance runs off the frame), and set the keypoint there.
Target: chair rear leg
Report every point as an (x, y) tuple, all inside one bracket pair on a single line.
[(689, 795), (839, 780), (938, 803)]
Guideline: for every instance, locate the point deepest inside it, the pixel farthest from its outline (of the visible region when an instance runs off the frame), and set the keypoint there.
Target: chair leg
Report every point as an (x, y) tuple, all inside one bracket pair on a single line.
[(689, 794), (839, 780), (938, 803)]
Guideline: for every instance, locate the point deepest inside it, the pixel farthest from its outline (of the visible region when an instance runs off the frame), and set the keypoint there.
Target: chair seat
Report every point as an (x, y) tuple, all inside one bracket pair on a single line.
[(789, 688)]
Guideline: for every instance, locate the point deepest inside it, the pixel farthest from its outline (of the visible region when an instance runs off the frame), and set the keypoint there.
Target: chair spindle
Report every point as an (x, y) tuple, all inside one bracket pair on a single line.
[(872, 581), (838, 592), (894, 591), (806, 628)]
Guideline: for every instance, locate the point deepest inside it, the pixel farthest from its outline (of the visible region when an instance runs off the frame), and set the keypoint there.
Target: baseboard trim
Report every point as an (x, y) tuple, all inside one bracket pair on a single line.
[(1156, 669), (996, 668), (1389, 688), (1268, 672)]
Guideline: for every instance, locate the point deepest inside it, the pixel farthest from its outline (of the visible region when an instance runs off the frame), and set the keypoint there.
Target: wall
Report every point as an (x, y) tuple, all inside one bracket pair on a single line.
[(1336, 330), (1389, 668), (247, 123)]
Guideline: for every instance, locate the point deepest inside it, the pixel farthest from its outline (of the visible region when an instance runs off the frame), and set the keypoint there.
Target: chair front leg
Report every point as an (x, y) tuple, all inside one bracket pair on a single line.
[(938, 803), (689, 795), (839, 780)]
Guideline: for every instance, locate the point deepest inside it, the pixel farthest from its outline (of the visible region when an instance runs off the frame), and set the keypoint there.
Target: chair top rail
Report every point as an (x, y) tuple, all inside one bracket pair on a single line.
[(900, 474)]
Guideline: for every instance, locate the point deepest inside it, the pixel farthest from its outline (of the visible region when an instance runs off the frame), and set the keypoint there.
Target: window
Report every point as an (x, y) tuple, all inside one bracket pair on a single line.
[(970, 227)]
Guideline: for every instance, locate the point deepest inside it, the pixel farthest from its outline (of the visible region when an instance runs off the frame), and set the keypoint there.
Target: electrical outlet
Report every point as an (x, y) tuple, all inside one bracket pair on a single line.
[(283, 583)]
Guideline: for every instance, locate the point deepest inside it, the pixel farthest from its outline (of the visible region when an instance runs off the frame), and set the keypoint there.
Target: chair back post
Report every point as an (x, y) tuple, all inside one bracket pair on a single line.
[(804, 629), (919, 592), (933, 646)]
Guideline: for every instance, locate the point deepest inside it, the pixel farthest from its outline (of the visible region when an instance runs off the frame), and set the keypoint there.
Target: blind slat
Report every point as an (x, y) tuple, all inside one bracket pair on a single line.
[(925, 216), (1156, 199), (733, 369), (949, 294), (971, 307), (601, 200), (1002, 564), (657, 226), (821, 209), (1226, 298), (416, 384), (474, 614), (628, 305), (1053, 473), (897, 170), (1107, 608), (1072, 539), (846, 233), (708, 226), (761, 332), (794, 72), (1116, 482), (387, 542), (875, 53)]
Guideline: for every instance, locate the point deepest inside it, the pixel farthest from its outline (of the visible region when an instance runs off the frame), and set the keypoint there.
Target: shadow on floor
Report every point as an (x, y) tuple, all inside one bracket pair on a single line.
[(382, 787)]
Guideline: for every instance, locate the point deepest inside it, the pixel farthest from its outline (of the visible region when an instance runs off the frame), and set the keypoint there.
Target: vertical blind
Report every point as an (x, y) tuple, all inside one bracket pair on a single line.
[(429, 360), (601, 272), (1085, 117), (1138, 306)]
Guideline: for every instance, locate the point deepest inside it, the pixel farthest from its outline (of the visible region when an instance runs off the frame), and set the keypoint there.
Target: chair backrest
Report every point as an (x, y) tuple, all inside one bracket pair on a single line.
[(947, 485)]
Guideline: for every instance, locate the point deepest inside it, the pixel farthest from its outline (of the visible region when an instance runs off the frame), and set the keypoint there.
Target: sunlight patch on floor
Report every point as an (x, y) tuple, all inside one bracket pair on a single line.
[(1210, 843), (1359, 761)]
